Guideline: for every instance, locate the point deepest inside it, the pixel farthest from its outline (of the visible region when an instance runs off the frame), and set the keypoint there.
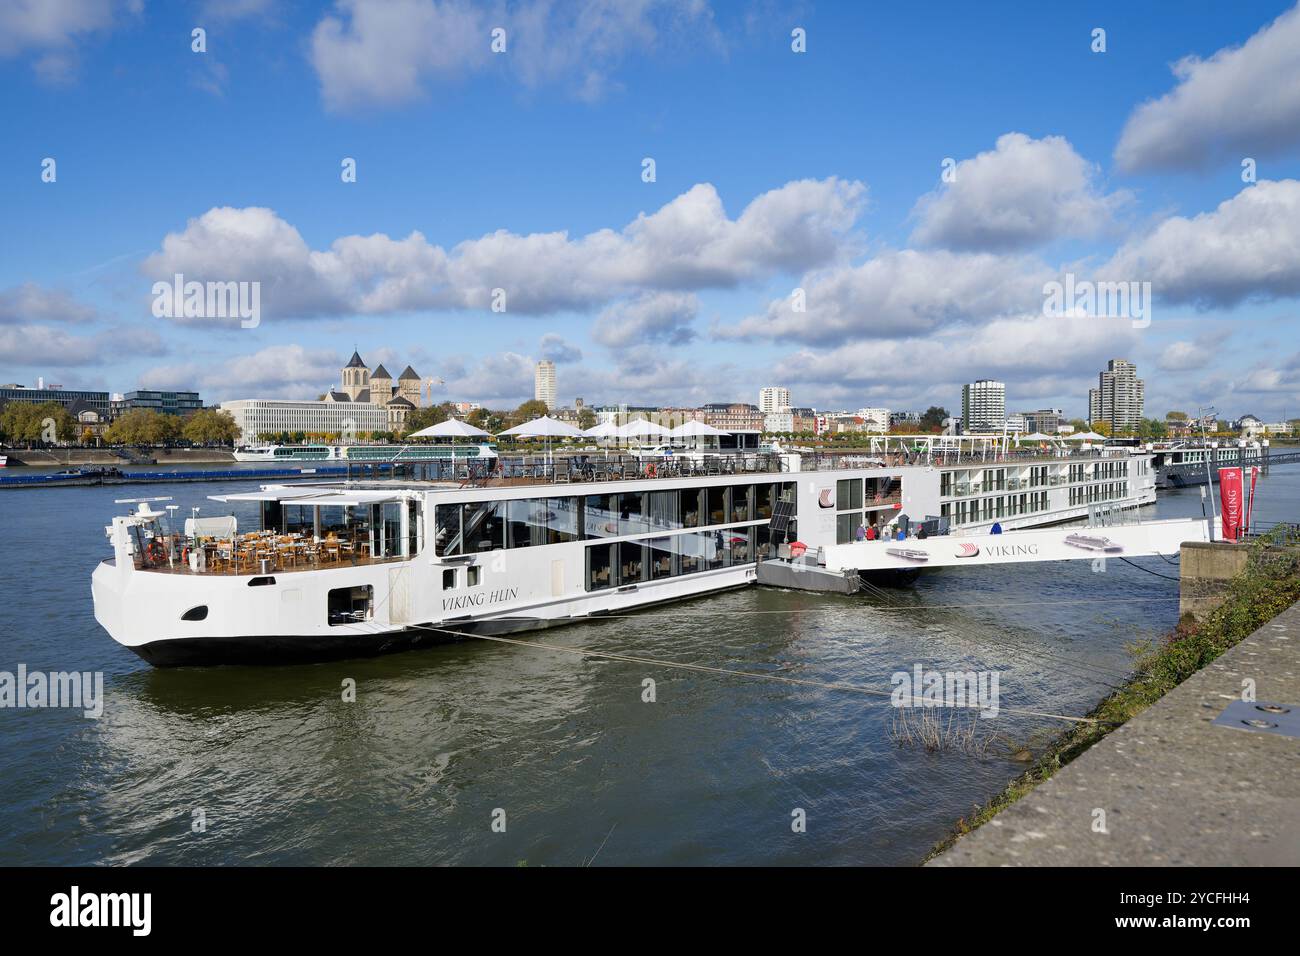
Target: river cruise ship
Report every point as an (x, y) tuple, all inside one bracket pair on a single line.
[(500, 545)]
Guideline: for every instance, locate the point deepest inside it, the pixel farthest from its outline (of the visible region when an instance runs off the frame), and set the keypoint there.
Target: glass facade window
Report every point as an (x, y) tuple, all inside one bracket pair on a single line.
[(631, 562), (600, 566), (662, 511), (691, 507), (663, 560), (563, 520), (740, 502), (482, 526), (764, 497), (601, 516), (630, 518), (717, 507)]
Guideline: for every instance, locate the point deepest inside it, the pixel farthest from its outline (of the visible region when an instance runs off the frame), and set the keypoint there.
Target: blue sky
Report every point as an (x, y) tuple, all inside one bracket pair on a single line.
[(775, 171)]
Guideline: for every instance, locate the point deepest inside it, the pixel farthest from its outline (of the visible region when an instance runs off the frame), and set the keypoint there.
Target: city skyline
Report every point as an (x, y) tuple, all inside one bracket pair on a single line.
[(679, 289)]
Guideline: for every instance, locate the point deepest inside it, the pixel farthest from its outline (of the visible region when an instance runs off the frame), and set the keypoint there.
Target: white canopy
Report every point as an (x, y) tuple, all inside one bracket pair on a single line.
[(451, 428), (603, 430), (1086, 436), (694, 428), (642, 427), (315, 496), (1037, 436), (544, 427)]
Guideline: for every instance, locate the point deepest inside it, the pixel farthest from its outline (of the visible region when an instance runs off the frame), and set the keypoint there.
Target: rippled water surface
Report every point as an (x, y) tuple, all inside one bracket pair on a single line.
[(284, 771)]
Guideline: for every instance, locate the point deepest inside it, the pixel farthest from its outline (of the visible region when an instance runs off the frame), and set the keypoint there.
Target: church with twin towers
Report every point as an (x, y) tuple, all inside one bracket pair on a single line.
[(398, 397)]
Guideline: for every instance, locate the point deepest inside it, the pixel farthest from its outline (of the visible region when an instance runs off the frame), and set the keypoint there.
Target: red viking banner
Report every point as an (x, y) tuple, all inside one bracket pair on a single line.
[(1231, 504), (1250, 498)]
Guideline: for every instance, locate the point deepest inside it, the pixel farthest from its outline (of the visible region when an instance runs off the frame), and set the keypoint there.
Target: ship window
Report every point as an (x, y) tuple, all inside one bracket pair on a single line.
[(562, 521), (599, 567), (631, 561), (763, 497), (472, 576), (738, 543), (690, 507), (446, 529), (199, 613), (717, 509), (715, 548), (449, 579), (661, 509), (662, 559), (740, 501), (484, 525), (350, 605), (630, 520), (260, 582), (601, 516)]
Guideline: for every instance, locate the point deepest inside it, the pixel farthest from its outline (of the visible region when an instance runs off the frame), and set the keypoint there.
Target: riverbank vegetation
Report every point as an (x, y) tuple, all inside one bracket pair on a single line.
[(1268, 586)]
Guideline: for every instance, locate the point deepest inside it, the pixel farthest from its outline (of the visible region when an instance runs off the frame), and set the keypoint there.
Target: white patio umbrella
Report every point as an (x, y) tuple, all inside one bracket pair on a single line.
[(451, 428), (544, 427), (641, 428), (1087, 436), (1036, 436), (603, 430), (694, 429)]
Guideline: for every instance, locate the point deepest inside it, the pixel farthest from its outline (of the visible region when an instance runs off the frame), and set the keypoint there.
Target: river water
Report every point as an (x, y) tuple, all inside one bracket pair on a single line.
[(270, 765)]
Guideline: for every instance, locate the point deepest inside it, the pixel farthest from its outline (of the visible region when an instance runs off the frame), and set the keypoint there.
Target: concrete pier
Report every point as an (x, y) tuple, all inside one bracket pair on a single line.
[(1170, 787), (1205, 568)]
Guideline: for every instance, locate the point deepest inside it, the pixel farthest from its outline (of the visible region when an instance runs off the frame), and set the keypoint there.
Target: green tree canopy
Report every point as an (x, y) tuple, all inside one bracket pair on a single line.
[(210, 426)]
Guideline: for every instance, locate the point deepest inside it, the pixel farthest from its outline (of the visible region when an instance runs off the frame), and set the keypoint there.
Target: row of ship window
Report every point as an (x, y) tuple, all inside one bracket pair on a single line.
[(1105, 492), (990, 509), (623, 563), (476, 527)]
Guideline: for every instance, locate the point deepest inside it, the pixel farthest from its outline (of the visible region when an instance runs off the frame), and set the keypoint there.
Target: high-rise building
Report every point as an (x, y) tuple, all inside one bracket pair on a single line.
[(1118, 397), (773, 398), (983, 406), (544, 383)]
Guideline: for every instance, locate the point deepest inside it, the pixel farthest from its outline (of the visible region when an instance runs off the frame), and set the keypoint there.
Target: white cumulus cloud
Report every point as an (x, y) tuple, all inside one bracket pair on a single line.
[(1022, 193), (1242, 101)]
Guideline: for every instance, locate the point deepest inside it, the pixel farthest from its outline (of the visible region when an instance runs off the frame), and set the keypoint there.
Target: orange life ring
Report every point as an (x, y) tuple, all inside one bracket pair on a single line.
[(651, 471)]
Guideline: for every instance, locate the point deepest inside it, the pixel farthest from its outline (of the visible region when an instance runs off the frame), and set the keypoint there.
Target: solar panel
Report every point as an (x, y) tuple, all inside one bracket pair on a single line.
[(782, 512)]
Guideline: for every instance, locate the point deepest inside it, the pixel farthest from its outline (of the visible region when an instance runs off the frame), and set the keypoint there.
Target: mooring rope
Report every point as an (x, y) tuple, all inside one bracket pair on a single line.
[(727, 672)]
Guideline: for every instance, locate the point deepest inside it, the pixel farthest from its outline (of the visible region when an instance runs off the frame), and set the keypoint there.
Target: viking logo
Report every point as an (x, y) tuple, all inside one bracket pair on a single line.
[(967, 550), (826, 498)]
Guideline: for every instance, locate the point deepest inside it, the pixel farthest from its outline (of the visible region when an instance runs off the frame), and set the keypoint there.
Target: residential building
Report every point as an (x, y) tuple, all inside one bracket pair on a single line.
[(544, 383), (904, 418), (733, 416), (875, 419), (983, 406), (346, 419), (1016, 423), (773, 398), (1118, 397)]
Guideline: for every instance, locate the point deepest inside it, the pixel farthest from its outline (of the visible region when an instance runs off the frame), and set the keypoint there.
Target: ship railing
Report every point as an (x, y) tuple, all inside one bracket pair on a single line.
[(517, 469), (256, 553)]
